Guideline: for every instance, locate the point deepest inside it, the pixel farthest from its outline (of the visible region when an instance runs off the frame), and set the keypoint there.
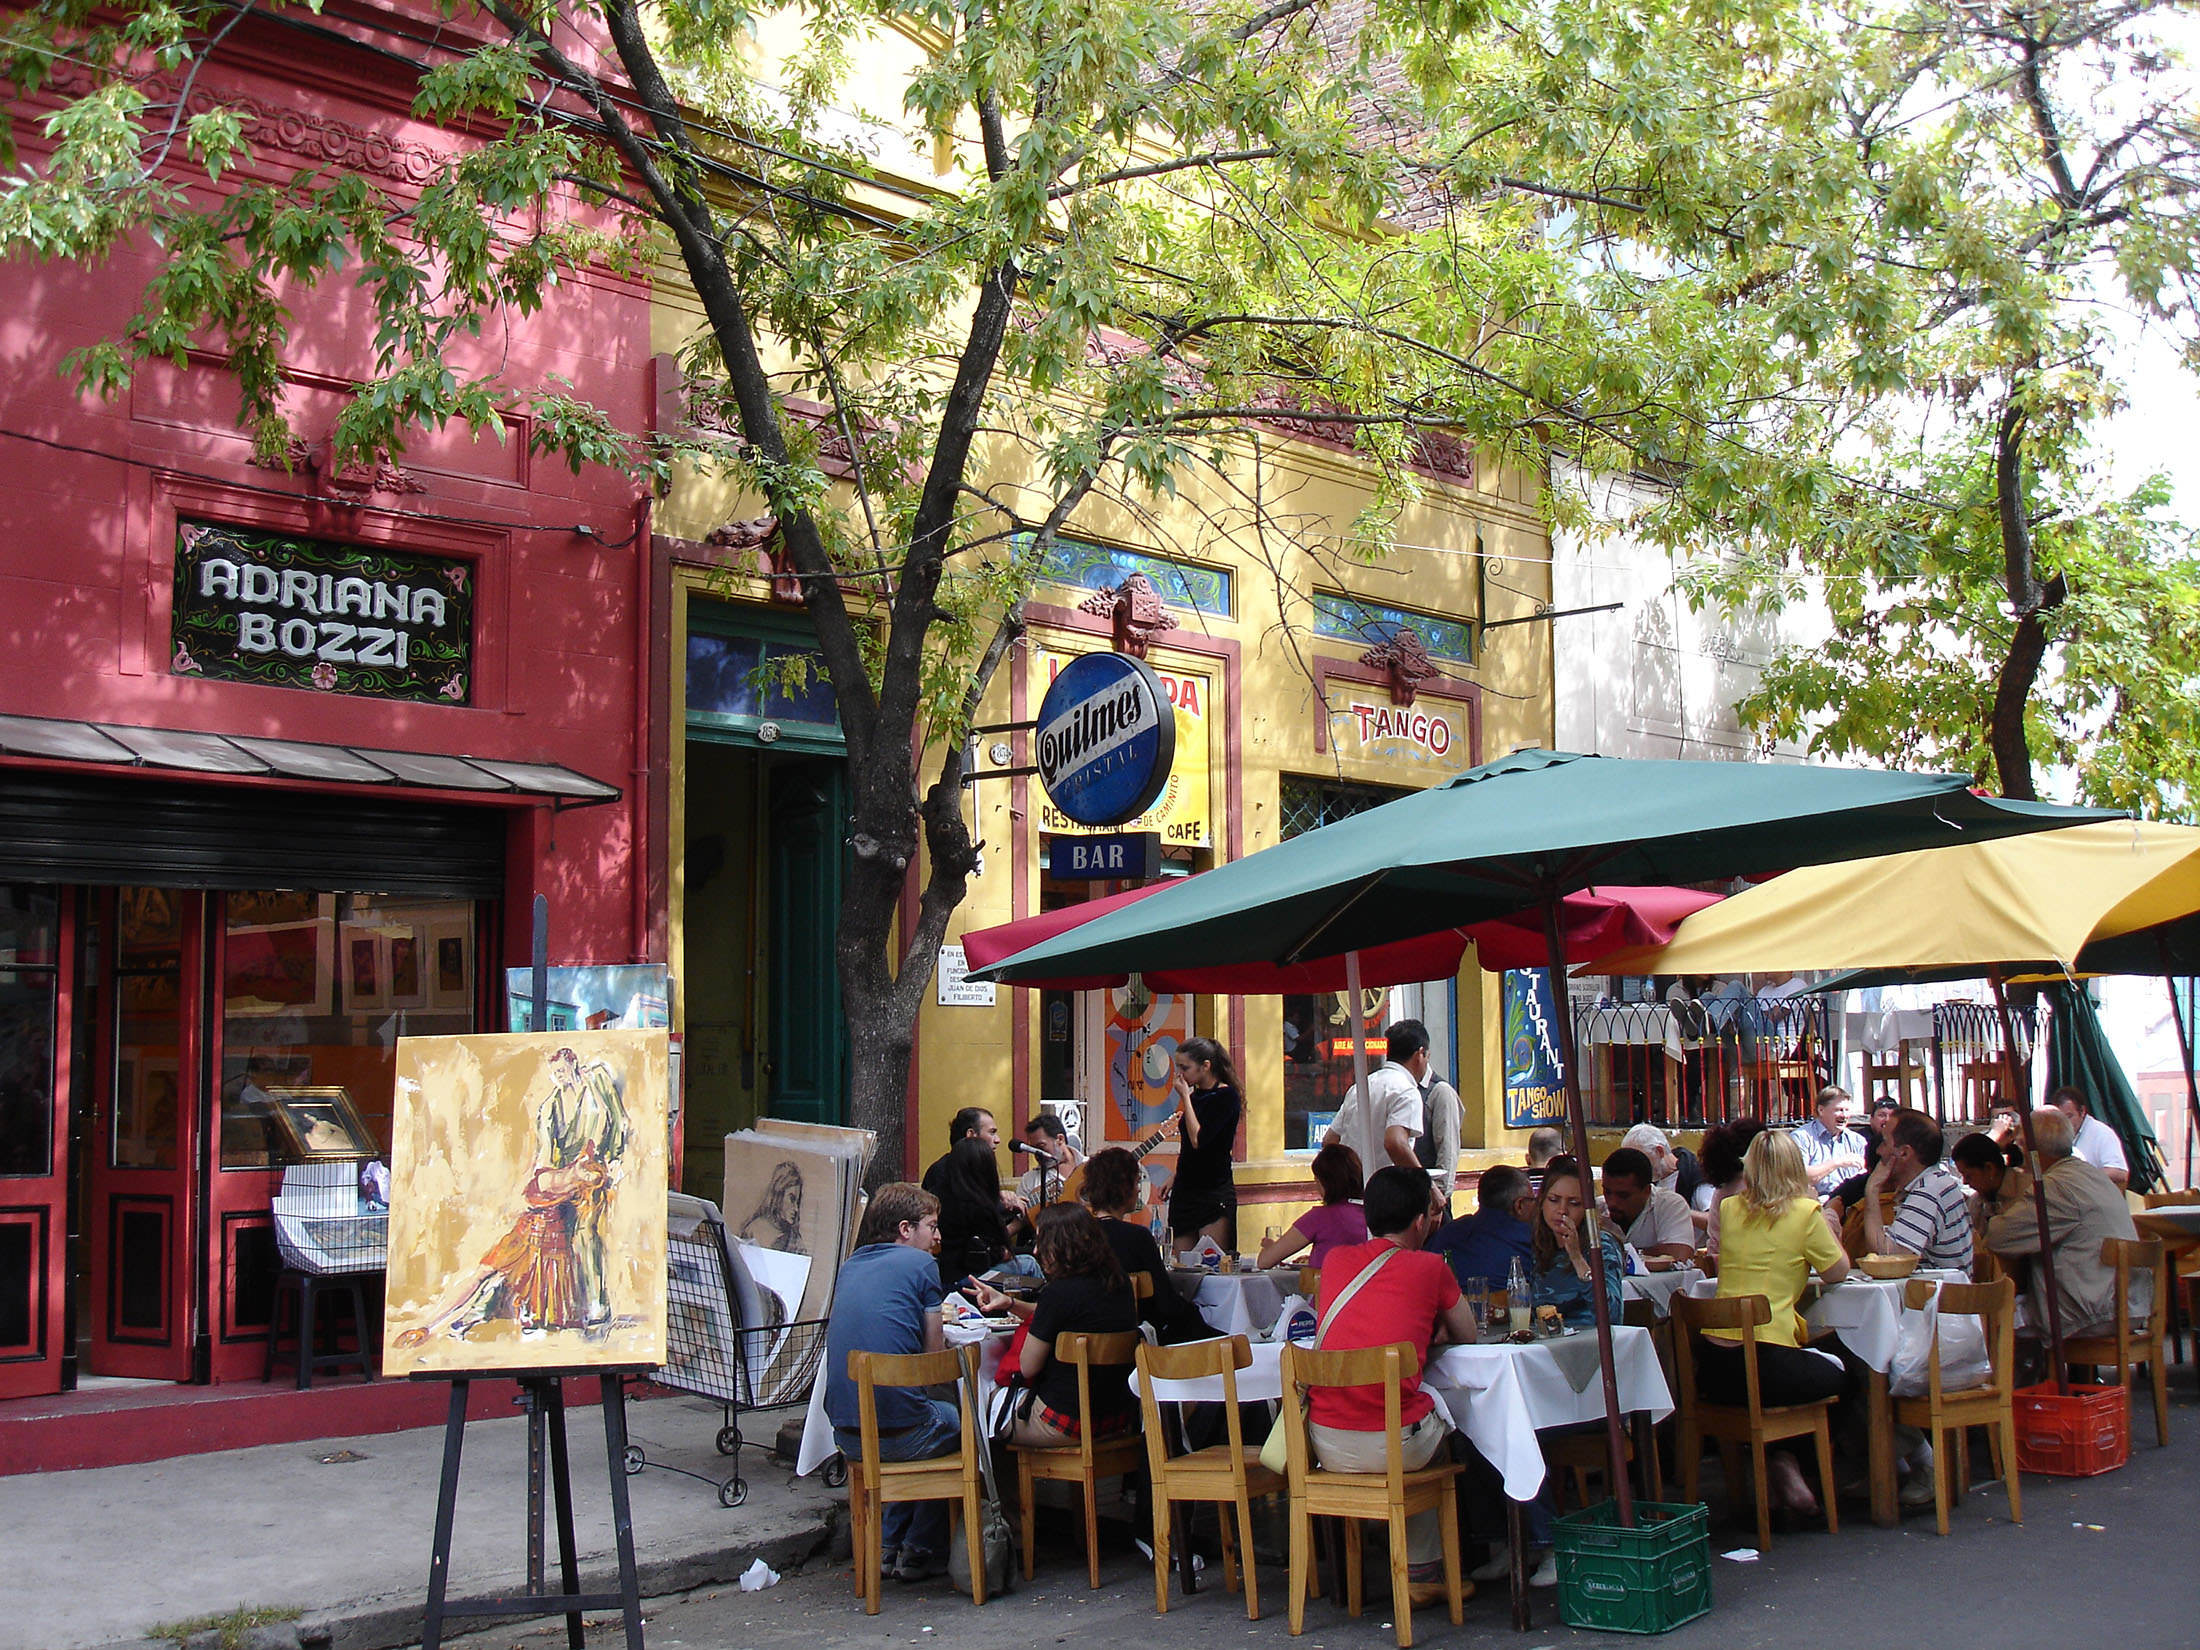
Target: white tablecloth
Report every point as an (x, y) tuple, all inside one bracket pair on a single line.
[(1238, 1303), (1658, 1288), (1885, 1031), (1865, 1312), (1497, 1394), (817, 1432)]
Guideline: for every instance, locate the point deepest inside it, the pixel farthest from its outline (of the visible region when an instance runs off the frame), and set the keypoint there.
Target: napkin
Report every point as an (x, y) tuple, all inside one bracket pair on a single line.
[(1576, 1357)]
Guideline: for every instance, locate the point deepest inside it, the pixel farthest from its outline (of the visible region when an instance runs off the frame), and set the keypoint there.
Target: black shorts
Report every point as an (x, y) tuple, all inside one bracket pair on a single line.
[(1193, 1208)]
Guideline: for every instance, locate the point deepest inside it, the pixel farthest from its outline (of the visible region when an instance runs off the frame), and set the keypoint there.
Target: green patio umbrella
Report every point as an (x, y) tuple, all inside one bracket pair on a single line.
[(1523, 832), (2078, 1053)]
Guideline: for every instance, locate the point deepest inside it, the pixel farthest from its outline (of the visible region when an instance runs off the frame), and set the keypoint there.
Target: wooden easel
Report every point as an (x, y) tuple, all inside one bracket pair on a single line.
[(542, 1394)]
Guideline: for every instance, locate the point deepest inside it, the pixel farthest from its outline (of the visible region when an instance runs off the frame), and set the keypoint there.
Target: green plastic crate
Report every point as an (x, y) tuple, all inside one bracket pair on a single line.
[(1648, 1579)]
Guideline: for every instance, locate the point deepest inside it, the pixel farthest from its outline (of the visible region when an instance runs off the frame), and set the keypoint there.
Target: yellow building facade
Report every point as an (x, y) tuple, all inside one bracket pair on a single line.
[(1277, 640)]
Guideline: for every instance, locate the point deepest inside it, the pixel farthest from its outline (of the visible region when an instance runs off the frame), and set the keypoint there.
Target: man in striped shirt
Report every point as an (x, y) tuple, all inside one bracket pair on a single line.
[(1931, 1219)]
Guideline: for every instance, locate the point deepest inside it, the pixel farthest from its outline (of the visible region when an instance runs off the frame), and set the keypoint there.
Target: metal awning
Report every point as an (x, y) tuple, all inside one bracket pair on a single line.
[(108, 745)]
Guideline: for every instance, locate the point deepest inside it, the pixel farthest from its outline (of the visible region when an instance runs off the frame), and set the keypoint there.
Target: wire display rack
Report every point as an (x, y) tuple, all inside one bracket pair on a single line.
[(711, 1352)]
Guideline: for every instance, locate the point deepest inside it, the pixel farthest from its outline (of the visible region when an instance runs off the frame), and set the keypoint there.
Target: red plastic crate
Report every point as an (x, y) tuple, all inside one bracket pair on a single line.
[(2076, 1433)]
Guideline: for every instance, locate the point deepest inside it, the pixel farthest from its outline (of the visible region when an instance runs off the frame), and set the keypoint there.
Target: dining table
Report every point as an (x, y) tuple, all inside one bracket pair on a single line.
[(1237, 1303), (1499, 1394)]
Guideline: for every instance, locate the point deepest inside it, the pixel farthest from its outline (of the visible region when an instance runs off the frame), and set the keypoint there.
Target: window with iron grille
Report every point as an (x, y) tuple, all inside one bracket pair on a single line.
[(1308, 804)]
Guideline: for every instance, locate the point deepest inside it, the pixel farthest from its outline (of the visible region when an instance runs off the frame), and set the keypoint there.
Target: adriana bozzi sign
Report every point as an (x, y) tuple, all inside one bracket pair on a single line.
[(311, 613)]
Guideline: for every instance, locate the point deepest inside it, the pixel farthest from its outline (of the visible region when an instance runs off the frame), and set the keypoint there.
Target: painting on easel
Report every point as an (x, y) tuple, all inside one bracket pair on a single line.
[(527, 1202)]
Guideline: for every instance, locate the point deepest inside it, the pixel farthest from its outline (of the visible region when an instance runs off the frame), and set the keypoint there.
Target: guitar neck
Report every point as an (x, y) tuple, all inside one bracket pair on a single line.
[(1149, 1143)]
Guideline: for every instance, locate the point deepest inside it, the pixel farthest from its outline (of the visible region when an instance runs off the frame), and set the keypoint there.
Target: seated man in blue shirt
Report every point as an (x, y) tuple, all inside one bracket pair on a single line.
[(887, 1299), (1480, 1248)]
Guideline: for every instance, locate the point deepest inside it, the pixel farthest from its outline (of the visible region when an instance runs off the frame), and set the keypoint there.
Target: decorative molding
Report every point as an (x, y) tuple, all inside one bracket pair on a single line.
[(1440, 686), (757, 542), (1134, 611), (1405, 659), (311, 137)]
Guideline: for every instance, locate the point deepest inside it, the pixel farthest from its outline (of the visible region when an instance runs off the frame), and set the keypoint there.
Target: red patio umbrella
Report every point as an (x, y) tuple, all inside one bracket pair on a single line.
[(1596, 922)]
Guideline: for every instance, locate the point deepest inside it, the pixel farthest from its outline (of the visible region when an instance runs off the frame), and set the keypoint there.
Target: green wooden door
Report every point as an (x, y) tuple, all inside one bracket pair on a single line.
[(807, 853)]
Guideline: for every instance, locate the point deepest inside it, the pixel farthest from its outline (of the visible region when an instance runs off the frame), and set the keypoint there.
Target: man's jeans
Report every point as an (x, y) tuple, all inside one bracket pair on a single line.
[(912, 1527)]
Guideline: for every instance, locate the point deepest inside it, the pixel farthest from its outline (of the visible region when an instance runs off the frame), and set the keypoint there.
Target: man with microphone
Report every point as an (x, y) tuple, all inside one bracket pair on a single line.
[(1053, 1156)]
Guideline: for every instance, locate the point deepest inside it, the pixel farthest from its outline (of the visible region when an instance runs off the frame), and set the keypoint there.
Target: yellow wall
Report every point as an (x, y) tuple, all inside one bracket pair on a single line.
[(1264, 724)]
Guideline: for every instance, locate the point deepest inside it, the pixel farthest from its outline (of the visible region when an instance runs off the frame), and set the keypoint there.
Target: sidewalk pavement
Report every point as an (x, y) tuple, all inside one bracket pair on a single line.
[(341, 1528)]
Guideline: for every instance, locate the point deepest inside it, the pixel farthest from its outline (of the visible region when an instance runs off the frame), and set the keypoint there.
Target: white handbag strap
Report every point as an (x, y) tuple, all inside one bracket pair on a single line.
[(1344, 1295)]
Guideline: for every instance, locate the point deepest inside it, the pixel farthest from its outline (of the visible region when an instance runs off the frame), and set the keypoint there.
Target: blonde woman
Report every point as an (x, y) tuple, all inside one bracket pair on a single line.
[(1772, 1236)]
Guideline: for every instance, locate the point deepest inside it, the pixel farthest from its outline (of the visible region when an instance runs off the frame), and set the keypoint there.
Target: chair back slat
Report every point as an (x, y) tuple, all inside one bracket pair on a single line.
[(1744, 1313), (1305, 1368)]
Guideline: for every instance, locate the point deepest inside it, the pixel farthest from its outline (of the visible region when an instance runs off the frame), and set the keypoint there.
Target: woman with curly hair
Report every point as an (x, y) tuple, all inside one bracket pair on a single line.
[(1085, 1293), (1115, 1187)]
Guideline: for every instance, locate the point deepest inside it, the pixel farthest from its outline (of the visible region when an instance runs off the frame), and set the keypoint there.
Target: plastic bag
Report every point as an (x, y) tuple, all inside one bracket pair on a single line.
[(1963, 1357)]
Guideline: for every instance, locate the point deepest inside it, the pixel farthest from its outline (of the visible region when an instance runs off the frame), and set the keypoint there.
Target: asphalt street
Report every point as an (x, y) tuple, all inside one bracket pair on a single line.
[(2108, 1561)]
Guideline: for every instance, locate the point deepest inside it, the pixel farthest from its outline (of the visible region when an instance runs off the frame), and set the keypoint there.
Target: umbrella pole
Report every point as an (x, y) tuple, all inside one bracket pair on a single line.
[(1357, 1022), (2023, 1097), (2184, 1049), (1615, 1440)]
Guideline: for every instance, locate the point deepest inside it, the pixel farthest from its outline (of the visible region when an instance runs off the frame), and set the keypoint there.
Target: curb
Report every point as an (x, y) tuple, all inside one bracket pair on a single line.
[(378, 1624)]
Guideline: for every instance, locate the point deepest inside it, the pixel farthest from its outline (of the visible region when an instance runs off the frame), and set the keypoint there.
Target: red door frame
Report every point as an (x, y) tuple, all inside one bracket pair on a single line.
[(40, 1203), (159, 1349)]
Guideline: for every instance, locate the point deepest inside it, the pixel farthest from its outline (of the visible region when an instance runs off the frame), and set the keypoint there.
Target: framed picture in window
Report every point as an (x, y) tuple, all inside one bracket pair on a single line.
[(366, 970), (408, 984), (447, 966), (320, 1124)]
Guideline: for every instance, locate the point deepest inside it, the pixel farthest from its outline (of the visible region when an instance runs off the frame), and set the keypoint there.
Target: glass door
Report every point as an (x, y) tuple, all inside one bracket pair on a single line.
[(142, 1154), (35, 937)]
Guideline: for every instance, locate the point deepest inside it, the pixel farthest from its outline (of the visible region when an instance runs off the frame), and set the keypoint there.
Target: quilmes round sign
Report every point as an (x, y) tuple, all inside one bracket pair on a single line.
[(1106, 738)]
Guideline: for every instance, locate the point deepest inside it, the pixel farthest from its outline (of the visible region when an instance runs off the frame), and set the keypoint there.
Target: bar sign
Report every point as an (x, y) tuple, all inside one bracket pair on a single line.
[(1124, 856)]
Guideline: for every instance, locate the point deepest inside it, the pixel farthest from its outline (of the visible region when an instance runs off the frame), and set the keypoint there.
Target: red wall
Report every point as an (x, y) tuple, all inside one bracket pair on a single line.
[(87, 537)]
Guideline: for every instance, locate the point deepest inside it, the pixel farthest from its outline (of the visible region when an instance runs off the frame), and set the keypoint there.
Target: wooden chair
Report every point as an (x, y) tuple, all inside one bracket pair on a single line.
[(2184, 1306), (1732, 1425), (2129, 1347), (1310, 1282), (874, 1484), (1581, 1456), (1904, 1075), (1219, 1473), (1939, 1412), (1091, 1460), (1392, 1495), (1982, 1081), (1141, 1287)]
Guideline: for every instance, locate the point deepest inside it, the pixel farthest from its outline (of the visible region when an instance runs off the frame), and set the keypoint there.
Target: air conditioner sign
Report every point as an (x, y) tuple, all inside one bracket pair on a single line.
[(334, 618), (1105, 739)]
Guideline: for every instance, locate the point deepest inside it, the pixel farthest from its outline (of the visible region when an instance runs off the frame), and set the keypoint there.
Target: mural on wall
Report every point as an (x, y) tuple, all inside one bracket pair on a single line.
[(527, 1202)]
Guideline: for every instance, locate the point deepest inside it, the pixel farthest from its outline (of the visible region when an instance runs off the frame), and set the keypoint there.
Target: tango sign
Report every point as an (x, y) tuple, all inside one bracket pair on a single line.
[(1105, 738), (336, 618)]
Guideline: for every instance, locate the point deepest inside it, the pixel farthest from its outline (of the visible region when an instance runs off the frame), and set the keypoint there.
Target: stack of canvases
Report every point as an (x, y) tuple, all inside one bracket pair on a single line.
[(793, 1201)]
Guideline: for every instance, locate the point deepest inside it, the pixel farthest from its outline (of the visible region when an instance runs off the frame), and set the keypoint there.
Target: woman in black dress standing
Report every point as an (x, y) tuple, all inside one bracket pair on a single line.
[(1203, 1197)]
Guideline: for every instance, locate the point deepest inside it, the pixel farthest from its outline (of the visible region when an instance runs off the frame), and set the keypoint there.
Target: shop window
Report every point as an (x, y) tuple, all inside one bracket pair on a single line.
[(1317, 1027), (29, 925), (316, 990), (740, 681), (1350, 619), (1084, 565), (148, 1070)]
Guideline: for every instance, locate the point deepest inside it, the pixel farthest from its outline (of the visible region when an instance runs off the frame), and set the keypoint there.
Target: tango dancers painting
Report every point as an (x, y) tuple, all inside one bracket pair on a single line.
[(527, 1203)]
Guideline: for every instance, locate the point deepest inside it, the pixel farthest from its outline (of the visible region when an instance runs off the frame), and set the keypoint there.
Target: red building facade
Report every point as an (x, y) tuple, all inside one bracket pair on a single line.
[(285, 755)]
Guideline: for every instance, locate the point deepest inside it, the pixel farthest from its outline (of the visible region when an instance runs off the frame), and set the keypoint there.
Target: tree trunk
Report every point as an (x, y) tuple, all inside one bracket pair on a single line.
[(2030, 600)]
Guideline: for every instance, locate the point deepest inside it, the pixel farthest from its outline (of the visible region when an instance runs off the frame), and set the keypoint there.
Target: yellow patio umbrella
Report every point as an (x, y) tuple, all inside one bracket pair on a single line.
[(2029, 899), (2016, 901)]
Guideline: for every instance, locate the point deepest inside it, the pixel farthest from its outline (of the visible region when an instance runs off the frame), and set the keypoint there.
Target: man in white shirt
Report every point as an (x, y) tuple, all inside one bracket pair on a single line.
[(2096, 1142), (1648, 1216), (1384, 1126), (1832, 1151)]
